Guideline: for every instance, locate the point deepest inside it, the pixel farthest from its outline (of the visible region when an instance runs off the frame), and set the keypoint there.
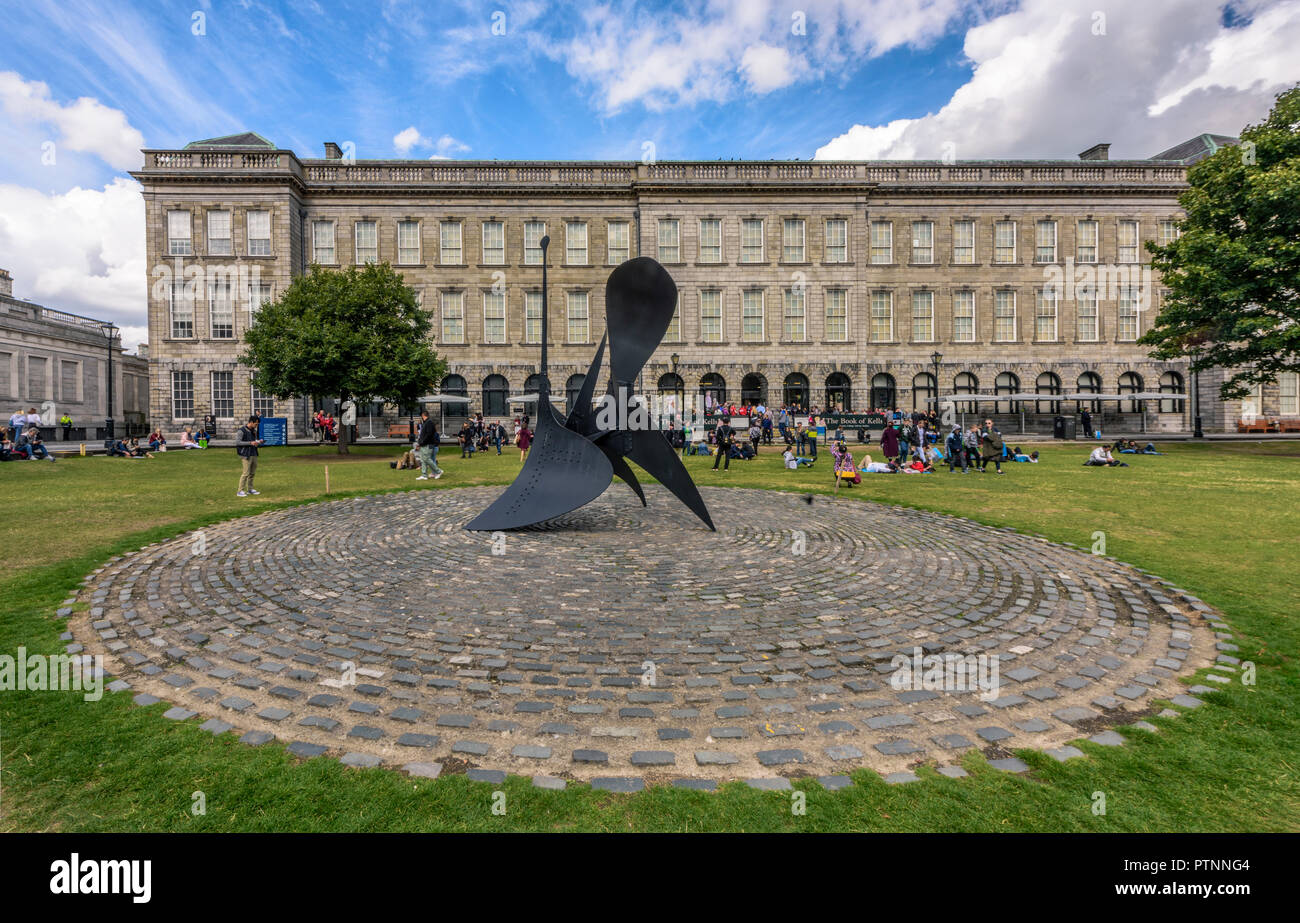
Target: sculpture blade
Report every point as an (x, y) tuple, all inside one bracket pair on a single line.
[(640, 299), (650, 450), (563, 471), (581, 418)]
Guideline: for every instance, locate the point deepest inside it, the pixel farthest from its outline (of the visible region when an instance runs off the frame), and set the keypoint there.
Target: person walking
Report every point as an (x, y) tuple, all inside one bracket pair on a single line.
[(524, 440), (956, 450), (426, 445), (246, 443), (971, 445), (889, 443), (722, 436), (992, 446)]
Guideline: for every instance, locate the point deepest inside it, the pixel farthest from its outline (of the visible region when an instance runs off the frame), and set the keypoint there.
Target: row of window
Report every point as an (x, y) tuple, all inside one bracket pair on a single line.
[(40, 382), (882, 324), (918, 249), (222, 394), (839, 393)]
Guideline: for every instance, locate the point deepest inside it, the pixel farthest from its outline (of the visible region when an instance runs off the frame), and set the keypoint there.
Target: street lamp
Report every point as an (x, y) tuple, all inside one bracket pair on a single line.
[(108, 329), (1197, 432), (936, 357)]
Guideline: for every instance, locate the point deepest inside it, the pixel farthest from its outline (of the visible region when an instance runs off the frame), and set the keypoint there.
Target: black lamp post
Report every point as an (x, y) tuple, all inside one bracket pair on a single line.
[(1197, 432), (108, 421), (936, 357)]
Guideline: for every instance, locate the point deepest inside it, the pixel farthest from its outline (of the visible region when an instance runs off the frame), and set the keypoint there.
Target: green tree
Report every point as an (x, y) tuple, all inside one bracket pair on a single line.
[(355, 333), (1233, 274)]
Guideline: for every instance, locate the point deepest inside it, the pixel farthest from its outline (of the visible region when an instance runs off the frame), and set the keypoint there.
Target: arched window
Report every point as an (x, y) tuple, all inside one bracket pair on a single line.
[(753, 390), (796, 390), (454, 386), (884, 392), (1047, 383), (496, 396), (1089, 383), (532, 385), (1007, 383), (672, 391), (923, 392), (965, 383), (839, 393), (571, 389), (1171, 383), (671, 383), (1130, 383), (713, 390)]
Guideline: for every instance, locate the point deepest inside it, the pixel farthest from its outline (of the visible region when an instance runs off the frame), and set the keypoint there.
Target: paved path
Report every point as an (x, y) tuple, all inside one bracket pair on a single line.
[(631, 644)]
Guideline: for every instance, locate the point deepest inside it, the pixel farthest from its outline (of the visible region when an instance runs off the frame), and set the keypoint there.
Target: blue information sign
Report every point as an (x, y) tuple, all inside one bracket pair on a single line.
[(273, 430)]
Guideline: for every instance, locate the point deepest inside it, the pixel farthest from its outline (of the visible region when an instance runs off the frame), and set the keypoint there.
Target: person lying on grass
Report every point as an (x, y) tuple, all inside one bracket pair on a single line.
[(870, 467)]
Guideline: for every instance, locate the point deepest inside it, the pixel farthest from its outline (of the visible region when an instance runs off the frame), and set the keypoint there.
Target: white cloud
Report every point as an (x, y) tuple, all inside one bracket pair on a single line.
[(83, 125), (767, 68), (447, 147), (714, 51), (407, 139), (80, 251), (1045, 84)]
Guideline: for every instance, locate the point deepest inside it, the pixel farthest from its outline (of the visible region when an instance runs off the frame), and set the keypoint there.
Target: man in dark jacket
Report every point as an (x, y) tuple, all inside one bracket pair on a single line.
[(991, 446), (246, 443), (426, 447), (723, 435)]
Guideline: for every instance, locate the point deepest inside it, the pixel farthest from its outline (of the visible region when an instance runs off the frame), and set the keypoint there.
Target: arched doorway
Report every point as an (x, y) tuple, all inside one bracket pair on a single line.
[(1171, 383), (1006, 383), (795, 391), (496, 396), (1048, 383), (753, 390), (1131, 383), (713, 391), (966, 383), (839, 393), (532, 385), (884, 392), (1089, 383), (454, 412), (672, 394), (922, 392)]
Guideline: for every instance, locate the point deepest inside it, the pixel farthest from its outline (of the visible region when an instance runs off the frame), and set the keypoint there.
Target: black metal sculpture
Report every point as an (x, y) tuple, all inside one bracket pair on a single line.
[(573, 460)]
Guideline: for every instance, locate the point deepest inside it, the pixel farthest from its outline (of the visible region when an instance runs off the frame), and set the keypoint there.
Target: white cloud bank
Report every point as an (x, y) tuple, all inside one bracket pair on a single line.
[(84, 125), (1046, 83)]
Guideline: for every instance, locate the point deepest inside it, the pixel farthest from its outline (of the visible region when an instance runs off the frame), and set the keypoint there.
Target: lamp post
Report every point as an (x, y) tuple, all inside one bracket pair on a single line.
[(1197, 432), (108, 329), (681, 397), (936, 357)]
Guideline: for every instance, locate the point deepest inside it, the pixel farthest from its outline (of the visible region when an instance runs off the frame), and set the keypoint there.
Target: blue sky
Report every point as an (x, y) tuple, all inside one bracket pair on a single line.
[(84, 85)]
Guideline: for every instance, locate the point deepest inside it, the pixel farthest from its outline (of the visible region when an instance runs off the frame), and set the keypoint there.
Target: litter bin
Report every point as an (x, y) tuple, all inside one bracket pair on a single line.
[(862, 436), (1063, 428)]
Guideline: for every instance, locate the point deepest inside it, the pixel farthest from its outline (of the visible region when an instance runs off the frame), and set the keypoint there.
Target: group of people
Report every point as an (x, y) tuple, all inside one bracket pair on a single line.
[(324, 427), (479, 435), (26, 445)]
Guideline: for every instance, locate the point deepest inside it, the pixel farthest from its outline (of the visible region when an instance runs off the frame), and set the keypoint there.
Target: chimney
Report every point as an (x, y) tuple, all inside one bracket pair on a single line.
[(333, 151), (1097, 152), (6, 283)]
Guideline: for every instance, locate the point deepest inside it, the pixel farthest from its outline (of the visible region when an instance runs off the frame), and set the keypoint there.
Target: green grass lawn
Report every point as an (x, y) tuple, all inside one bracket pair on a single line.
[(1219, 520)]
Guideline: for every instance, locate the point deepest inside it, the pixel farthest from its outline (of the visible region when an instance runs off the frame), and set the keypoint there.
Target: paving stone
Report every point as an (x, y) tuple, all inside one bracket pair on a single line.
[(305, 750), (256, 738), (551, 783), (532, 752), (1010, 764), (715, 758), (952, 772), (360, 760), (901, 778), (495, 776), (835, 783), (423, 770), (622, 784), (590, 756), (1108, 739), (777, 784), (1061, 754)]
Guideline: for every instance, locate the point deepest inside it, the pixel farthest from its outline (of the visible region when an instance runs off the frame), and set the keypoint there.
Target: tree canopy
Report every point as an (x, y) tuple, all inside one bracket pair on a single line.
[(1233, 273), (355, 333)]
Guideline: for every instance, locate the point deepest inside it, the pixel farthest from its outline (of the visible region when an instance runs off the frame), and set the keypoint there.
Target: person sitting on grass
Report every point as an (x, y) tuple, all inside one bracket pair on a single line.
[(188, 441), (870, 467), (157, 440), (1101, 458), (135, 450), (845, 470), (793, 461), (918, 467), (1018, 455), (31, 442)]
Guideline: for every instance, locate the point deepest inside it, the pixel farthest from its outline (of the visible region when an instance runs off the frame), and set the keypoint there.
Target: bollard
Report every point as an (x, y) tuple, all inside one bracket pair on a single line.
[(83, 450), (327, 479)]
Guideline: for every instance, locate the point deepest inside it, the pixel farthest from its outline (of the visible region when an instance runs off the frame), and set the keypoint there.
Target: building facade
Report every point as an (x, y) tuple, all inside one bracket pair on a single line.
[(57, 363), (831, 284)]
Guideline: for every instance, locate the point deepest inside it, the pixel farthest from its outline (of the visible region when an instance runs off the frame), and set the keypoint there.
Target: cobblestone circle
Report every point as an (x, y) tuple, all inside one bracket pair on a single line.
[(630, 646)]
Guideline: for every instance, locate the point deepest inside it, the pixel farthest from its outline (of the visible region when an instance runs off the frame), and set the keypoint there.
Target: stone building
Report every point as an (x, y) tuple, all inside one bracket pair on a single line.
[(57, 362), (850, 284)]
